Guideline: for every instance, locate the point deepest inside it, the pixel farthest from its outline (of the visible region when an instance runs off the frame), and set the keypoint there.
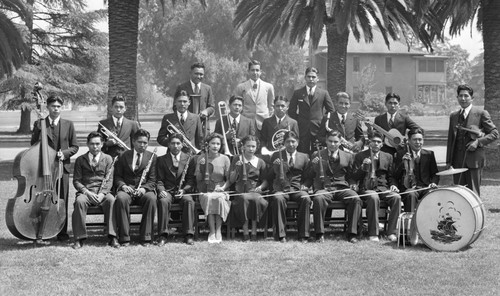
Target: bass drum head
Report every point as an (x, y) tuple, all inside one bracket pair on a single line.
[(449, 219)]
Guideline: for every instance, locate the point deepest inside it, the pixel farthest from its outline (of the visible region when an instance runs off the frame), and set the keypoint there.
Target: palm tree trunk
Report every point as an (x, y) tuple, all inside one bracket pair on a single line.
[(123, 32), (337, 58), (25, 122), (491, 42)]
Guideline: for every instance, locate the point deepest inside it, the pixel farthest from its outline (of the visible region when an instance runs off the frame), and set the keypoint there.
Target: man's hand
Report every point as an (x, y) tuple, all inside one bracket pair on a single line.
[(127, 189), (180, 193), (60, 155), (140, 192), (407, 156), (315, 160), (230, 134), (203, 114), (219, 188), (202, 160), (277, 161), (394, 188), (304, 188), (111, 142), (258, 189), (472, 146), (366, 164), (94, 199), (433, 185), (354, 187), (163, 194)]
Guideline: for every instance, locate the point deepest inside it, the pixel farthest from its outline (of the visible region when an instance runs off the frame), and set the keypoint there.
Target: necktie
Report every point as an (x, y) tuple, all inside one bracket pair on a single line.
[(181, 119), (137, 162), (391, 121), (254, 86), (417, 158), (94, 160), (196, 89), (290, 162), (461, 118), (311, 95), (343, 119), (233, 125), (175, 161), (52, 123), (118, 126), (279, 121)]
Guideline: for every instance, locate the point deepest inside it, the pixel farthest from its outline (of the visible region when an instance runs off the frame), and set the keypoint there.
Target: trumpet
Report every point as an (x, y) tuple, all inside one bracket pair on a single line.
[(110, 134), (222, 106), (174, 130)]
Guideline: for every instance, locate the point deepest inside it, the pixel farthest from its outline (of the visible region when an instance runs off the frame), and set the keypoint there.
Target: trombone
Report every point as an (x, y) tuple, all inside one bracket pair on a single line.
[(222, 106), (174, 130)]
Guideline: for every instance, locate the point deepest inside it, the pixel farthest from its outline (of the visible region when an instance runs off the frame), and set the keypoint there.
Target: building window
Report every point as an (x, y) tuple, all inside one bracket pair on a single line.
[(355, 64), (355, 94), (440, 66), (388, 89), (388, 65), (435, 66), (431, 94)]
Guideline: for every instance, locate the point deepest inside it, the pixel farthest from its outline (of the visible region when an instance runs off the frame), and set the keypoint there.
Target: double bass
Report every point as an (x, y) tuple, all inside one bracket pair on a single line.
[(36, 212)]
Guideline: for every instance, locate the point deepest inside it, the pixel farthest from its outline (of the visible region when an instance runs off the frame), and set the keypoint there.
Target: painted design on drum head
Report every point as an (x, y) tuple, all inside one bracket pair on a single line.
[(446, 231)]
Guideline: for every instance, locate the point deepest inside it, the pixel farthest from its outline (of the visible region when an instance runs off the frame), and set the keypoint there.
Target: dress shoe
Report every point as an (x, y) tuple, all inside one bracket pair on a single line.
[(146, 243), (246, 237), (62, 237), (392, 237), (189, 240), (353, 240), (320, 239), (253, 237), (113, 242), (125, 244), (282, 240), (374, 238), (78, 244), (162, 241), (304, 240)]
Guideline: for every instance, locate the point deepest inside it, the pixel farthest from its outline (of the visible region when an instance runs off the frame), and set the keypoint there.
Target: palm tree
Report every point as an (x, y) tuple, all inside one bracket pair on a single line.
[(263, 20), (13, 50)]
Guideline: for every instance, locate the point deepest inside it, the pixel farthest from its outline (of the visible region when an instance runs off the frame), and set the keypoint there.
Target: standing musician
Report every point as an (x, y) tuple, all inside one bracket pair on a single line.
[(175, 169), (279, 121), (393, 119), (249, 173), (257, 95), (465, 149), (373, 175), (212, 183), (329, 172), (288, 172), (307, 106), (184, 121), (132, 188), (348, 125), (422, 162), (122, 127), (200, 94), (236, 125), (93, 179), (62, 138)]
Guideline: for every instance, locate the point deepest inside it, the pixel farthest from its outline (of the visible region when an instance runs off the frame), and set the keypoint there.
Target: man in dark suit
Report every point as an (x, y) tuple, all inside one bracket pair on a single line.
[(236, 125), (122, 127), (393, 119), (200, 94), (465, 150), (289, 186), (170, 169), (424, 170), (373, 175), (93, 178), (62, 138), (280, 121), (186, 122), (344, 122), (307, 106), (127, 178), (337, 168)]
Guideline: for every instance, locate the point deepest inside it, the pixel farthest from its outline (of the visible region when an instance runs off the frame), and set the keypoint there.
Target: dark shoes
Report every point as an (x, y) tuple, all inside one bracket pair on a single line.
[(162, 241), (78, 244), (304, 240), (146, 243), (282, 240), (320, 239), (125, 244), (189, 239), (352, 239), (113, 242)]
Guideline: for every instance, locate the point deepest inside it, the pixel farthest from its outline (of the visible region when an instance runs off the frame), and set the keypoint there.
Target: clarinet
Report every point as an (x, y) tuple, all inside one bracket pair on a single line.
[(108, 175), (145, 172), (184, 172), (321, 168)]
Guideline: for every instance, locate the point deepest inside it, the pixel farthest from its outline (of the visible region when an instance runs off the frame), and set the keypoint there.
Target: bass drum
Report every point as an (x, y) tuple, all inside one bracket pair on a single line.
[(450, 218)]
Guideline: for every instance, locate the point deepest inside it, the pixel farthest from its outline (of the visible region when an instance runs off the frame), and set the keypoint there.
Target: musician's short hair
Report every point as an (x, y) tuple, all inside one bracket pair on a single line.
[(311, 69), (175, 136), (376, 134), (250, 138), (333, 133), (280, 98), (212, 136), (465, 87), (290, 134), (182, 93), (141, 133), (392, 95), (234, 98), (53, 98), (343, 94), (415, 131), (117, 98), (198, 65), (95, 134), (253, 63)]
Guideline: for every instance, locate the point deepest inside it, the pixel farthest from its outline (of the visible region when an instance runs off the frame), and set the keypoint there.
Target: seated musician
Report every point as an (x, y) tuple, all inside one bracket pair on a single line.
[(289, 186), (129, 169), (373, 175), (93, 178), (345, 123), (118, 124), (249, 173), (183, 121), (212, 184), (279, 121), (236, 125), (170, 169), (424, 172), (332, 184)]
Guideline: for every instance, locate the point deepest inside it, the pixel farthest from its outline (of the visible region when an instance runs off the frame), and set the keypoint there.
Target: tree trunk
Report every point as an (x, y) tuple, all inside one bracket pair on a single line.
[(123, 32), (491, 42), (337, 58), (25, 123)]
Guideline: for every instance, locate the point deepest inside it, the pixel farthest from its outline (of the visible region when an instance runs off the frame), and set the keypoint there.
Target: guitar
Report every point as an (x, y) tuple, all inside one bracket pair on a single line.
[(392, 137)]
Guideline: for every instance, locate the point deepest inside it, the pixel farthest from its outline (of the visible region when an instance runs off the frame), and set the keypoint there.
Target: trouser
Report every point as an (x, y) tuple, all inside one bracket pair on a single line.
[(372, 200), (188, 213), (278, 205), (81, 205), (122, 212), (324, 198)]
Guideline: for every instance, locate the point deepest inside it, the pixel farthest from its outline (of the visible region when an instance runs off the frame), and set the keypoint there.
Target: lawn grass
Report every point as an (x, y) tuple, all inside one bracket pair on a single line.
[(265, 267)]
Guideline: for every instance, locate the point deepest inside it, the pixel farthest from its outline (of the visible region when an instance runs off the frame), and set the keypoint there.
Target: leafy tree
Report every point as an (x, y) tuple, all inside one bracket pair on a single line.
[(13, 50)]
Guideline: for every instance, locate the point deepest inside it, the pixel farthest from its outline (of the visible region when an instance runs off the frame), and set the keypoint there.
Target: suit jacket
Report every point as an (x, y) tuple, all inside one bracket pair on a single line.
[(257, 106), (198, 104), (383, 171), (425, 172), (192, 129), (270, 126), (352, 130), (245, 127), (124, 175), (294, 176), (309, 115), (337, 175), (402, 122), (67, 140), (169, 179), (85, 176), (125, 133), (479, 118)]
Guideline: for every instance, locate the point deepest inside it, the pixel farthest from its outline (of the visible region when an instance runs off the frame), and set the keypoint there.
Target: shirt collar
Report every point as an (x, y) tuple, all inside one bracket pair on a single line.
[(291, 155), (91, 156), (184, 115), (309, 89), (278, 119), (340, 116), (254, 162), (467, 110), (176, 157), (193, 85), (416, 153), (335, 153), (393, 116), (233, 118), (116, 120), (55, 121)]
